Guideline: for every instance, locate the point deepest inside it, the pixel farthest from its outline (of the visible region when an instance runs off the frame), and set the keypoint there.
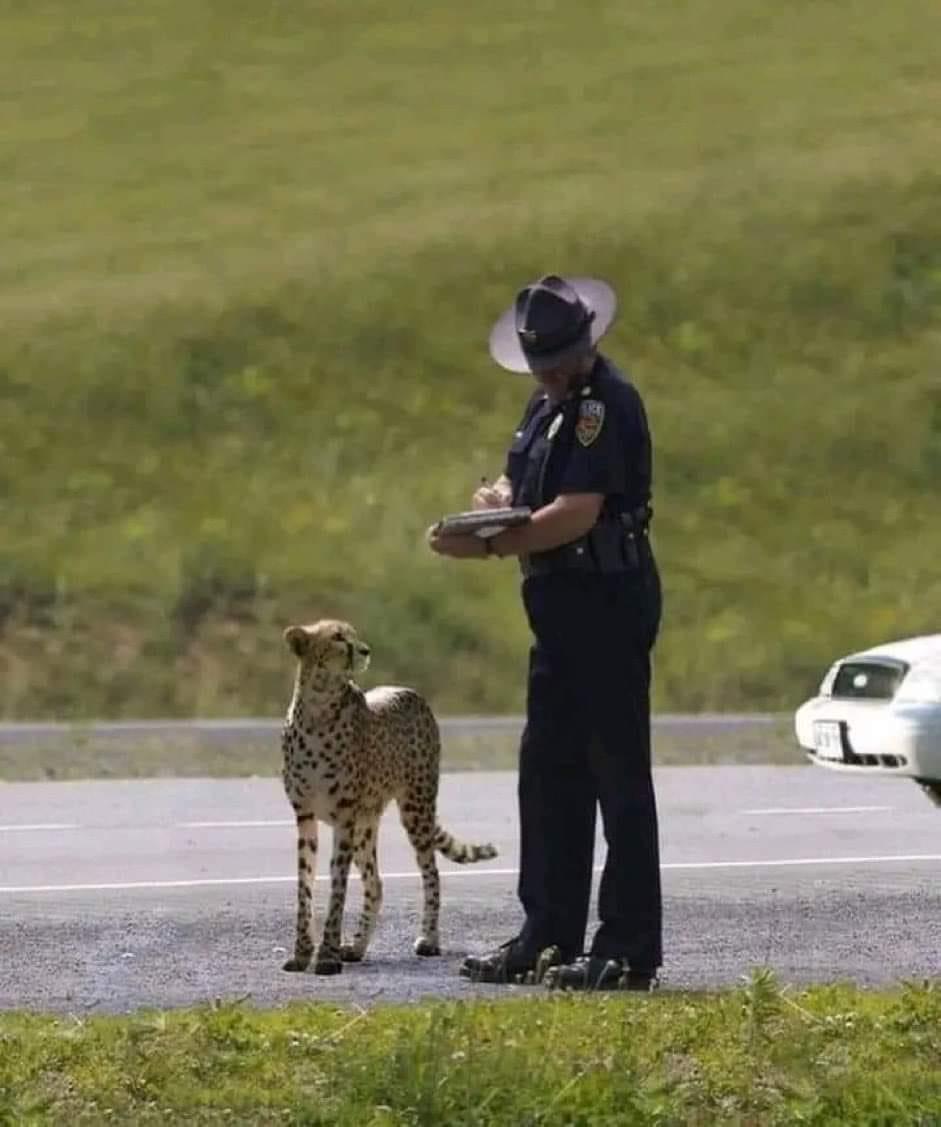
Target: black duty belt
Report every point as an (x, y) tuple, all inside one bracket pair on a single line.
[(615, 544)]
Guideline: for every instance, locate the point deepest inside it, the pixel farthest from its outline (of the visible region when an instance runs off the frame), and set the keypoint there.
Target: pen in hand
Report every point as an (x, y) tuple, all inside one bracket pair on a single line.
[(489, 496)]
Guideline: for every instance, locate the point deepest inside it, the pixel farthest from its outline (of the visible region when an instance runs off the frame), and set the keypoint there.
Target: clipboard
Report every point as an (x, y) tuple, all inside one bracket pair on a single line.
[(483, 522)]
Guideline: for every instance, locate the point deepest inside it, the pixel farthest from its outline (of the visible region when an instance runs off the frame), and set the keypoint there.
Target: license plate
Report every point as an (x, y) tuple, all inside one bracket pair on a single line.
[(828, 739)]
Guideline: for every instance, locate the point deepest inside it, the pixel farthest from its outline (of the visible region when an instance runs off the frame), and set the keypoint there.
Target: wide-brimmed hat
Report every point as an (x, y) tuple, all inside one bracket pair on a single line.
[(551, 320)]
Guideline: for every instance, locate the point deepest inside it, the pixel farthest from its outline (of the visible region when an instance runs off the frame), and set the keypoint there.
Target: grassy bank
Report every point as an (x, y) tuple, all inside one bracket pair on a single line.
[(251, 259), (80, 753), (761, 1054)]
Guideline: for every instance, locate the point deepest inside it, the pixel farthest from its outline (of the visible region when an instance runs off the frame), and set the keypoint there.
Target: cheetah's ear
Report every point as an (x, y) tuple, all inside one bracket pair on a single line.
[(297, 639)]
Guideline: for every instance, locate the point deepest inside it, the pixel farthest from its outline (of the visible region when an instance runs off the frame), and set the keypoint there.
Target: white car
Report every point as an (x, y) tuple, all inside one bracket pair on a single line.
[(879, 712)]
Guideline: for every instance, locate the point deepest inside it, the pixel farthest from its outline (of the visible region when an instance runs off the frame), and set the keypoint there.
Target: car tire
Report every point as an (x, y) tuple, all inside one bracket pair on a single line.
[(932, 789)]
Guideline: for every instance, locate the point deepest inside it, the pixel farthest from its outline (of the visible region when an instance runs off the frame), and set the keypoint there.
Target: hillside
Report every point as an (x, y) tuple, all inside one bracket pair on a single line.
[(251, 255)]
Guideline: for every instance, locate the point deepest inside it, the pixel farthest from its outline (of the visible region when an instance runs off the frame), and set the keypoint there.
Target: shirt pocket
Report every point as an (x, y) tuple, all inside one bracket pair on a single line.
[(517, 458)]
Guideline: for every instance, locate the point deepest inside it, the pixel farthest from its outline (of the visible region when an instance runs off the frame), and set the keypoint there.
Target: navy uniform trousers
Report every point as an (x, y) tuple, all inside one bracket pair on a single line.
[(587, 744)]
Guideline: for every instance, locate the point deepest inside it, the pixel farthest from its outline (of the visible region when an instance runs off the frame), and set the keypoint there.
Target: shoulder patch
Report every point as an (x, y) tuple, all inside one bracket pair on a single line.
[(590, 421)]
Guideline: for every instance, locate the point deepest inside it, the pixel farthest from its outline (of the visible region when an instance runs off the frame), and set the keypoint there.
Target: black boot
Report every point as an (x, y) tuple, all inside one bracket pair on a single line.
[(511, 963), (595, 972)]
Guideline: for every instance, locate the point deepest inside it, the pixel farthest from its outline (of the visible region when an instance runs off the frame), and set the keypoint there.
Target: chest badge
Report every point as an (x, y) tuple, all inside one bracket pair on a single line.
[(554, 427), (590, 421)]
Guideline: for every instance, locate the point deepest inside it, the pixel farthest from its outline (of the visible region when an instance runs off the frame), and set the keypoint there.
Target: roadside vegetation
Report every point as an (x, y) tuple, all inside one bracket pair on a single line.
[(764, 1054), (78, 753), (251, 258)]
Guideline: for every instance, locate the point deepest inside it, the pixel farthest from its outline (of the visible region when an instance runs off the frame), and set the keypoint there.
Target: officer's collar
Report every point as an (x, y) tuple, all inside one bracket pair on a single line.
[(582, 391)]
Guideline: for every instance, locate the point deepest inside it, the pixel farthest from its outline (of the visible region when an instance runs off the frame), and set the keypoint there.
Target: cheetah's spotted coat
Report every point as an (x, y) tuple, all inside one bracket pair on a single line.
[(347, 754)]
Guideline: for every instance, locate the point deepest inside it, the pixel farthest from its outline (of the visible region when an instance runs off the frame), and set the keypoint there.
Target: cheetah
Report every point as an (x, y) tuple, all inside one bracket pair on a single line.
[(347, 754)]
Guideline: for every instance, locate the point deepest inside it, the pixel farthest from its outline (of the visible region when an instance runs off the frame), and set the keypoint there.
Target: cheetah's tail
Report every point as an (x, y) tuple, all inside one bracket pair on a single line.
[(460, 851)]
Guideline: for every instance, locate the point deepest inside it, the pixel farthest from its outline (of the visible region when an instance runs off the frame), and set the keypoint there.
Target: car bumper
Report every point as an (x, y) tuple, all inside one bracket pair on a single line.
[(877, 738)]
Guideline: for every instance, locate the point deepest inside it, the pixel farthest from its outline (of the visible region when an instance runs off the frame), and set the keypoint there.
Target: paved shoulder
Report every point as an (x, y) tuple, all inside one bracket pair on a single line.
[(115, 895)]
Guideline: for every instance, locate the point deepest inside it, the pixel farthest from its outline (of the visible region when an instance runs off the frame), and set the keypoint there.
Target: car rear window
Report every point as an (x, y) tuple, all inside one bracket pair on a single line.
[(868, 680)]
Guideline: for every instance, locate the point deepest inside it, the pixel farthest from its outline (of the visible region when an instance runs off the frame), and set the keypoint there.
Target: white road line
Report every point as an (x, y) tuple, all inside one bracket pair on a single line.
[(203, 882), (229, 825), (117, 886), (789, 862), (13, 827), (818, 810), (283, 823), (23, 828)]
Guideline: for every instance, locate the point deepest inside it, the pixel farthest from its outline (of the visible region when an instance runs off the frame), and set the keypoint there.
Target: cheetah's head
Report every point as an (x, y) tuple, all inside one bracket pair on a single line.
[(330, 646)]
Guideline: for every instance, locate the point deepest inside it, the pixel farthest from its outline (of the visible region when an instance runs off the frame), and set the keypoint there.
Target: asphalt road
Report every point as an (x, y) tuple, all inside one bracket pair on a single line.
[(117, 895)]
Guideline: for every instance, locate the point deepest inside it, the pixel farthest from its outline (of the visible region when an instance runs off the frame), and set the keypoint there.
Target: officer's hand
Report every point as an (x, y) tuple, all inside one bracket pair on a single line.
[(460, 547), (488, 496)]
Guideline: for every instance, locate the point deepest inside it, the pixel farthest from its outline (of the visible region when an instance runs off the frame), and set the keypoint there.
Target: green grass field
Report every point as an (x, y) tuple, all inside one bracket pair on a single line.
[(251, 255), (762, 1054)]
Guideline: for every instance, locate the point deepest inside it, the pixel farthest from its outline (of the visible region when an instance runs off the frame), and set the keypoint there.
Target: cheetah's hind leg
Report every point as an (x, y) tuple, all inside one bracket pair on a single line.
[(420, 827)]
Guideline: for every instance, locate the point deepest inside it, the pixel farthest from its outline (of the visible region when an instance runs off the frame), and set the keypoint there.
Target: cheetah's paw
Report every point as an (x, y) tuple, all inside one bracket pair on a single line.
[(425, 946), (350, 953)]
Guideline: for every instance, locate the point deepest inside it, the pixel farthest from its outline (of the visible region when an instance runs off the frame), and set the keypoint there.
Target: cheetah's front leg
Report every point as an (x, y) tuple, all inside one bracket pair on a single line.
[(368, 865), (306, 871), (328, 953)]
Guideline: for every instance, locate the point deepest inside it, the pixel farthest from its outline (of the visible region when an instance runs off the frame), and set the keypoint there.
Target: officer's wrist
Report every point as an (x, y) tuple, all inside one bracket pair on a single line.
[(496, 545)]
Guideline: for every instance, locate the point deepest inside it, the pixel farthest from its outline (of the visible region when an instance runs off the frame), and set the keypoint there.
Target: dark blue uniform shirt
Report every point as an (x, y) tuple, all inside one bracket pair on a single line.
[(595, 441)]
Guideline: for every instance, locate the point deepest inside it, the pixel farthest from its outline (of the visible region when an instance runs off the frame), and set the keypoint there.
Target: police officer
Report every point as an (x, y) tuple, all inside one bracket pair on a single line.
[(581, 460)]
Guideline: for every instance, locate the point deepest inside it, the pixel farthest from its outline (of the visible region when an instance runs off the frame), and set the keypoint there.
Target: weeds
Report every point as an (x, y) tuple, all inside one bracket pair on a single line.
[(760, 1054)]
